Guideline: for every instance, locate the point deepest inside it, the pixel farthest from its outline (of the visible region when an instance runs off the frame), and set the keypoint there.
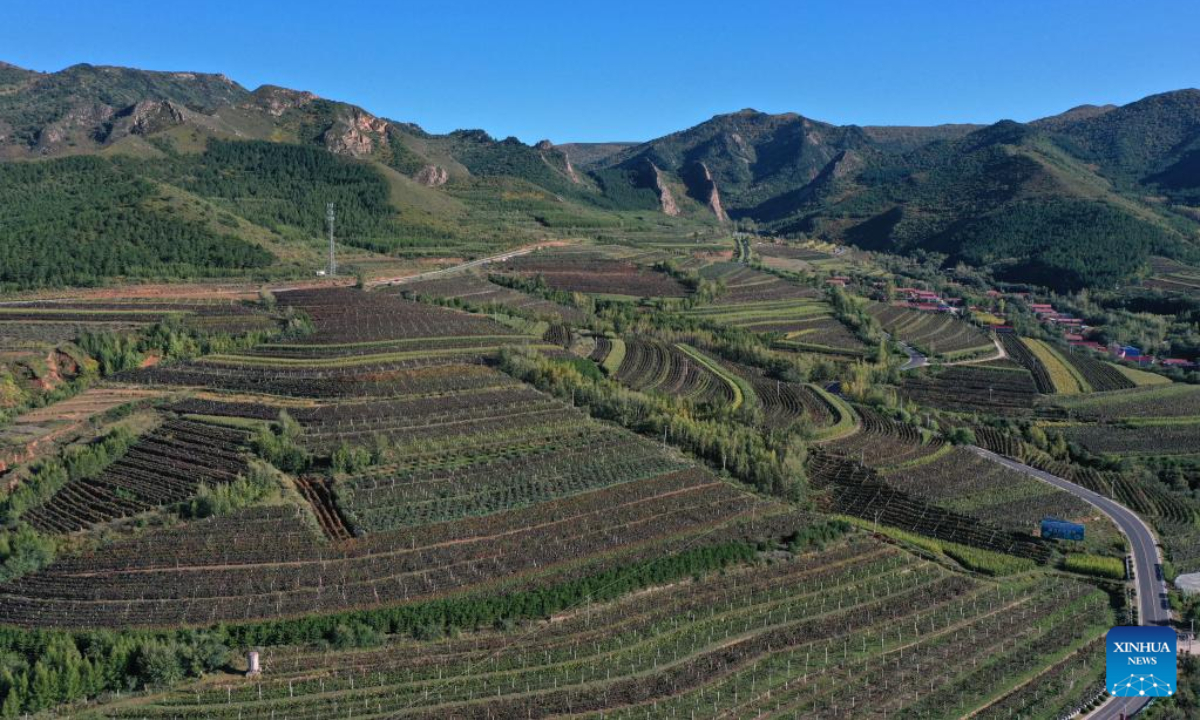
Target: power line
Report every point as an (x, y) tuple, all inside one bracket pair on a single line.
[(329, 220)]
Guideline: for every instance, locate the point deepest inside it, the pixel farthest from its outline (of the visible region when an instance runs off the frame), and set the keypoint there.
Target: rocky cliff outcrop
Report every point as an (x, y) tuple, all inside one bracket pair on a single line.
[(703, 187), (432, 176), (147, 117), (79, 120), (357, 134), (666, 200), (571, 169), (276, 100), (548, 149)]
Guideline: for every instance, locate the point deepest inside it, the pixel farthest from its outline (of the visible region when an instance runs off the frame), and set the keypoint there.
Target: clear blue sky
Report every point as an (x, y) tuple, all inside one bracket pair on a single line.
[(635, 70)]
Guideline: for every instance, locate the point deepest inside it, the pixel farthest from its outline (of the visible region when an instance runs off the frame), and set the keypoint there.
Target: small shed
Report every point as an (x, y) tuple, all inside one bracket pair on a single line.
[(1058, 529)]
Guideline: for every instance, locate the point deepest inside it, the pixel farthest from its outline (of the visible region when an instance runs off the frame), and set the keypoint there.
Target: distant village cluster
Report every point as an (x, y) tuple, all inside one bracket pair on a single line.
[(1074, 330)]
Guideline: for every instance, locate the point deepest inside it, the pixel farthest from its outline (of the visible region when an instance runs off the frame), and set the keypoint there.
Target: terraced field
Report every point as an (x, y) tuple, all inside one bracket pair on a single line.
[(786, 403), (1159, 438), (435, 492), (55, 321), (1005, 388), (593, 273), (1062, 371), (963, 482), (1065, 379), (851, 488), (480, 291), (1173, 276), (1174, 400), (935, 334), (764, 303), (883, 442), (164, 467), (487, 482), (820, 635), (656, 366)]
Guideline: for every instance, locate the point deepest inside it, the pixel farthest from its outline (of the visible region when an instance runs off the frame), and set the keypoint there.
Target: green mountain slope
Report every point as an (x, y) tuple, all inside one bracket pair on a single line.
[(1078, 199), (1007, 197), (77, 220)]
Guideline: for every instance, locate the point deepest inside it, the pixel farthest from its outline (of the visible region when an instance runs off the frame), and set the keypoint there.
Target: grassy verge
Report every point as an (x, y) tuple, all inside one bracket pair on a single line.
[(616, 356), (743, 393), (847, 421), (1141, 377)]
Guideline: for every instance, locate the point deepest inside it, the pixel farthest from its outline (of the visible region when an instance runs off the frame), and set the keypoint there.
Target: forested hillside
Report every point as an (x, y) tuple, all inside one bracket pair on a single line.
[(77, 220)]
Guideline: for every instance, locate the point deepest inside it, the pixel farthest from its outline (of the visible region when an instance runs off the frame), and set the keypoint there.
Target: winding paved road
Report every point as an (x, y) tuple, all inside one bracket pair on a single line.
[(1146, 561), (915, 359), (456, 268)]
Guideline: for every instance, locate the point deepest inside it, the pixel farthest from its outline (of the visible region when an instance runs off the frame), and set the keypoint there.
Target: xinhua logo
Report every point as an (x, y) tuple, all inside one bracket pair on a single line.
[(1141, 661)]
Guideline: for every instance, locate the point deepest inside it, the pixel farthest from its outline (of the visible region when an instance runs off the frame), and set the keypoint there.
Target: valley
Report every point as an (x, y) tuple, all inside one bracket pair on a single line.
[(764, 418)]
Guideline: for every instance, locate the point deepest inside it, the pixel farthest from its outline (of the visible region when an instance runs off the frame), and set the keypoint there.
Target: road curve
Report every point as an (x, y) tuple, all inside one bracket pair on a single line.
[(915, 359), (1146, 561)]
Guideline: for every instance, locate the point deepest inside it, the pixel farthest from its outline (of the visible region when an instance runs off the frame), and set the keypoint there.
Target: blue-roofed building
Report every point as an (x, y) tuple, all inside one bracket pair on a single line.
[(1057, 529)]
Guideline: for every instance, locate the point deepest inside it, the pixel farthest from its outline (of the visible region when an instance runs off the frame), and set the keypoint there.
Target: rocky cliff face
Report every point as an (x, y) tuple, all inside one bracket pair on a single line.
[(356, 135), (276, 100), (147, 117), (81, 120), (432, 176), (666, 200), (710, 194), (571, 169)]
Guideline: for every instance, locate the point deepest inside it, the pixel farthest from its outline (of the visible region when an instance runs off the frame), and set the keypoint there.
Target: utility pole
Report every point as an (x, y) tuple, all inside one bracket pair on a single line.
[(329, 221)]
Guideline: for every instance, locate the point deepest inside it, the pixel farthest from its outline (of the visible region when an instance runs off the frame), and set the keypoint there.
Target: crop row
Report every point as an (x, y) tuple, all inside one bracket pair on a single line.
[(164, 467), (594, 275), (967, 388), (790, 640), (197, 575), (656, 366), (482, 292), (964, 482), (936, 333), (882, 441), (857, 490)]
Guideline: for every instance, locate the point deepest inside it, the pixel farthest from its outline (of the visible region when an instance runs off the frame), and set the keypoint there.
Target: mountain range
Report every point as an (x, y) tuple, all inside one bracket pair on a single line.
[(126, 159)]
